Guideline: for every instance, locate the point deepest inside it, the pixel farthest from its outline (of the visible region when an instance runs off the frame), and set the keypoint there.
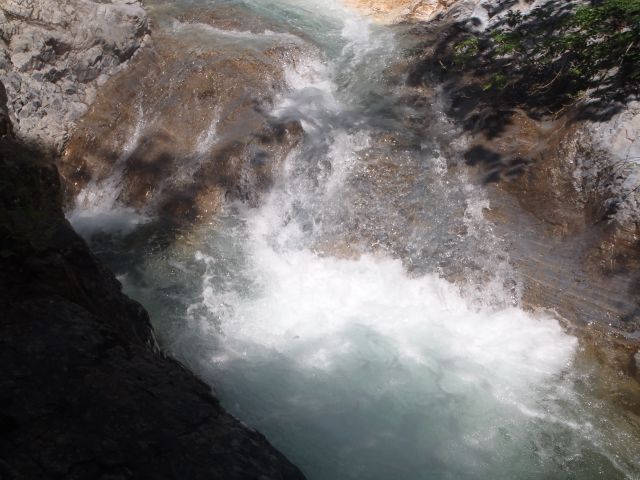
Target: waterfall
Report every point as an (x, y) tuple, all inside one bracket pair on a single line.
[(364, 316)]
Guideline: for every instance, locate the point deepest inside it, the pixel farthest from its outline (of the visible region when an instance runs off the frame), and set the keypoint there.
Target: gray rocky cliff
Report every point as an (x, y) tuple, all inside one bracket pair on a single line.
[(55, 53)]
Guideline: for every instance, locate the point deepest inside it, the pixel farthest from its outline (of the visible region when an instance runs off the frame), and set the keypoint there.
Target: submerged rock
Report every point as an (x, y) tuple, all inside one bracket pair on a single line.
[(84, 391)]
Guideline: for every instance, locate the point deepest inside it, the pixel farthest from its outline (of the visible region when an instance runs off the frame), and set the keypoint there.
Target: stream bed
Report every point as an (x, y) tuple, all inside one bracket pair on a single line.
[(362, 313)]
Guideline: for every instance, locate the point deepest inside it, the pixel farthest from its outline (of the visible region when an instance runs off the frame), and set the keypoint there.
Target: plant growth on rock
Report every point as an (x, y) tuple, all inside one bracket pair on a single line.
[(561, 53)]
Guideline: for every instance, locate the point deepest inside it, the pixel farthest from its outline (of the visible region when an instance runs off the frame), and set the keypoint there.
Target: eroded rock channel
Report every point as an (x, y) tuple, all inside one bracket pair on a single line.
[(370, 256)]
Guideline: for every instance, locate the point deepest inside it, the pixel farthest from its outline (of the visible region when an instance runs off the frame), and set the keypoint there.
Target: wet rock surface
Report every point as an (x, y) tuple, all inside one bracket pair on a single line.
[(563, 188), (54, 55), (84, 391), (576, 257), (180, 134)]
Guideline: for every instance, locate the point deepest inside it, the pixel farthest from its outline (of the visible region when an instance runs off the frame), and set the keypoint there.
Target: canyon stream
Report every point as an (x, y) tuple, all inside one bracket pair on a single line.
[(361, 312)]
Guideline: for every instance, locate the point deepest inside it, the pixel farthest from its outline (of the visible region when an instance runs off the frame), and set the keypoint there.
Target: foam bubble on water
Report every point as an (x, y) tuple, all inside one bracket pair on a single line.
[(307, 306), (309, 97), (361, 40)]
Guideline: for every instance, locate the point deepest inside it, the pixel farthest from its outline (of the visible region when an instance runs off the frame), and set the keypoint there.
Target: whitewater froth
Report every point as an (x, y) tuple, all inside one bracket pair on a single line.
[(305, 304), (316, 338)]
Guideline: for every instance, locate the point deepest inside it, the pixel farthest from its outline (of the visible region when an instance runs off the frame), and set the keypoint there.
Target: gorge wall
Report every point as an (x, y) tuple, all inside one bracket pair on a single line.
[(563, 187), (85, 392)]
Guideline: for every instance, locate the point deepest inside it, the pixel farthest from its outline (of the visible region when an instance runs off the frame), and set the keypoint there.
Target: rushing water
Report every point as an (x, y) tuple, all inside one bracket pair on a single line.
[(323, 316)]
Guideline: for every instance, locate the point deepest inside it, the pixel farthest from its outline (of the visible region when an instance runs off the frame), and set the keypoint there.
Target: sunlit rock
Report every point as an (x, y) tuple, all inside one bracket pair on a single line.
[(392, 11), (53, 55)]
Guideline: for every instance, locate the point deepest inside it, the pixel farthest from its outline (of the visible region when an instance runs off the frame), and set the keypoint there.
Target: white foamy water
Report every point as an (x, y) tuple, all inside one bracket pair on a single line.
[(197, 28), (358, 369), (305, 306), (358, 361)]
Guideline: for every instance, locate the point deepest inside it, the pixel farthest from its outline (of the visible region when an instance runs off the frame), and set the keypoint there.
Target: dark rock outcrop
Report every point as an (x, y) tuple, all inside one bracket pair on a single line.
[(84, 391)]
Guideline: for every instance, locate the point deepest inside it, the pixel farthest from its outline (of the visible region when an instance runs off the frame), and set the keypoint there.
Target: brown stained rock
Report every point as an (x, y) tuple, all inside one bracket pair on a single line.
[(572, 260), (532, 160), (554, 185), (203, 130), (617, 254), (617, 375)]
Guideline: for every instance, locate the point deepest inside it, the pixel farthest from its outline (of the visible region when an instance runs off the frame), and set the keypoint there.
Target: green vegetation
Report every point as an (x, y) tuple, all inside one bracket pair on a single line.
[(562, 49), (466, 50)]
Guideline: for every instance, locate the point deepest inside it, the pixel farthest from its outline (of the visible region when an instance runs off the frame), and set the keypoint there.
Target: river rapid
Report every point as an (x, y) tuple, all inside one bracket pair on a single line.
[(362, 314)]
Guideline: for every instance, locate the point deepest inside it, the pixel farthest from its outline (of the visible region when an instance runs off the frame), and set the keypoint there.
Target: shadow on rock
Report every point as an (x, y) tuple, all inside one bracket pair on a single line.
[(84, 392), (543, 63)]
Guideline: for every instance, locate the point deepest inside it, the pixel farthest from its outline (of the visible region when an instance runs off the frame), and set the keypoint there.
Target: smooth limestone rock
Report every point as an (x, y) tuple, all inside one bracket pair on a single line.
[(55, 53), (84, 391)]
